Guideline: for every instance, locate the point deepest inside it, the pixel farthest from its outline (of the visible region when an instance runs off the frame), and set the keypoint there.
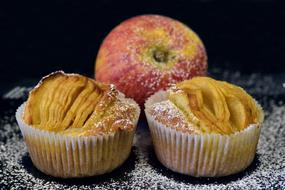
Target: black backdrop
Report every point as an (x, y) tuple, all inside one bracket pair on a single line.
[(43, 36)]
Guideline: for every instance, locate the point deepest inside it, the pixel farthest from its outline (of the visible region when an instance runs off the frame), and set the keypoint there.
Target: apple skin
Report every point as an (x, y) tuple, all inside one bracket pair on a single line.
[(147, 53)]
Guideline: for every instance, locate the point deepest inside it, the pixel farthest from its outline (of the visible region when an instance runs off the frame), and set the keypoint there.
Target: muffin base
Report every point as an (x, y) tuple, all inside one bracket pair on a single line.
[(71, 156), (201, 155)]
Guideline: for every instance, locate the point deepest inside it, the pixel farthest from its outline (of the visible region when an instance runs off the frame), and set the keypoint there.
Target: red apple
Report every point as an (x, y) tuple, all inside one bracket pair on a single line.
[(147, 53)]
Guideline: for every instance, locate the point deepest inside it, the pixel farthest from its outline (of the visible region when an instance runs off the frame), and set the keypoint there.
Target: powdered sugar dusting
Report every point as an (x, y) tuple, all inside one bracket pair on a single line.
[(142, 170), (166, 113)]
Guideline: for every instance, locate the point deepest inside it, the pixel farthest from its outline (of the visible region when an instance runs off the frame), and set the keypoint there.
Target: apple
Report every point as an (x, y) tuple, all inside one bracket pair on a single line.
[(148, 53)]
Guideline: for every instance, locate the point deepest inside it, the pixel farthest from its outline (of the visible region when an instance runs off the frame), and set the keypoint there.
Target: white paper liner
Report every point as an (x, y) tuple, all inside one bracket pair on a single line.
[(70, 156), (205, 155)]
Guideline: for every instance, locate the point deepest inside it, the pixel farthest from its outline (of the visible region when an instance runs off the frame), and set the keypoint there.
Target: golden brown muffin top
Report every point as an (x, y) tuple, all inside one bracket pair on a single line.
[(76, 105), (205, 105)]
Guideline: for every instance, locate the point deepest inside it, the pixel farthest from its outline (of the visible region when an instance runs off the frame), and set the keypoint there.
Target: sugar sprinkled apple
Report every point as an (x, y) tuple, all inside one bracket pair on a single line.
[(147, 53)]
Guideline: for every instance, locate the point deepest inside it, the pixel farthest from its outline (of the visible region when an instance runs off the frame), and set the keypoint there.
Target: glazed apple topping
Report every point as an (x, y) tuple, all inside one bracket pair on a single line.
[(74, 104), (213, 106)]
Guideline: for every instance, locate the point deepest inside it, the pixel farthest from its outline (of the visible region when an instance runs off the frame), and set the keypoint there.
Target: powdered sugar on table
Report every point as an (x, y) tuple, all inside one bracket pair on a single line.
[(142, 170)]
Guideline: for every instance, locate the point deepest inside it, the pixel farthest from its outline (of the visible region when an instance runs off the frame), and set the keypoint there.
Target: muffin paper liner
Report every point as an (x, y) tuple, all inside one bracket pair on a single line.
[(75, 156), (204, 155)]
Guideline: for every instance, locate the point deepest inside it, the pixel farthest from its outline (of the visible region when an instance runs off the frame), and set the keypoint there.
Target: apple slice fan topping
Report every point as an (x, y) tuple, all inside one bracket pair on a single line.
[(213, 106), (71, 103)]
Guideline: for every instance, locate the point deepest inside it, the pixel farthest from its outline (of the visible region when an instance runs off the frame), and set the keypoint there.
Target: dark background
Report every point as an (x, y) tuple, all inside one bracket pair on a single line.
[(43, 36)]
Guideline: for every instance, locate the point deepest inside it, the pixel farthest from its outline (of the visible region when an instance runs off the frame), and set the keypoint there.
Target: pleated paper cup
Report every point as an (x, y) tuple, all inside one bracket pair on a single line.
[(202, 155), (76, 156)]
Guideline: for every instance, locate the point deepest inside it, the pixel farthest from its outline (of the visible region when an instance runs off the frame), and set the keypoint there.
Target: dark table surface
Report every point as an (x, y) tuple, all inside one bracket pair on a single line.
[(142, 170), (245, 41)]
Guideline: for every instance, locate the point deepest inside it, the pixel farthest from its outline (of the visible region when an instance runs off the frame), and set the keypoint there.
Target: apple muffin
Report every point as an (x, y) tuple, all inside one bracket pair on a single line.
[(204, 127), (74, 126)]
